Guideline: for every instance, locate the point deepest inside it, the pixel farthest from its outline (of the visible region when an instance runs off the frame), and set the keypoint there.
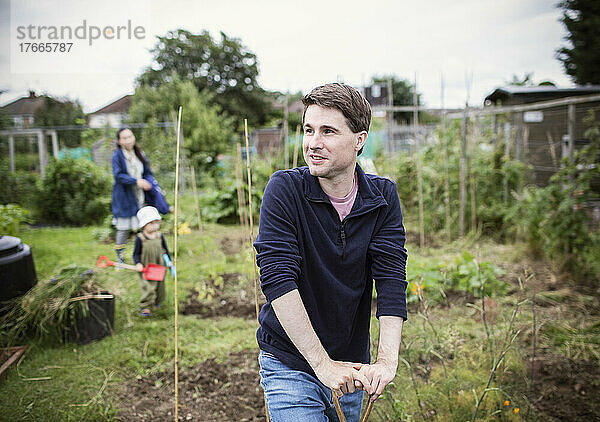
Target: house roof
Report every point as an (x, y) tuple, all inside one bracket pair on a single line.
[(527, 94), (119, 106), (25, 106)]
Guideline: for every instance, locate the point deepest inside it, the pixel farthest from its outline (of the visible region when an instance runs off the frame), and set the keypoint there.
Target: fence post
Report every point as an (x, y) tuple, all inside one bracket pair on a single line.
[(506, 156), (571, 131), (11, 152), (518, 136), (463, 175), (42, 151)]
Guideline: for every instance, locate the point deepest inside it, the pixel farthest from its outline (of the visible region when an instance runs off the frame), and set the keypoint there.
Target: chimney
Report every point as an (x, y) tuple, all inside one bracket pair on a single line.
[(31, 95)]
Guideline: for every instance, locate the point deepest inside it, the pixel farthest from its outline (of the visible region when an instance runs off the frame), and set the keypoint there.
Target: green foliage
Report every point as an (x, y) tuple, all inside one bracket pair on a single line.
[(225, 68), (48, 308), (489, 168), (20, 187), (581, 19), (61, 113), (11, 218), (206, 132), (74, 192), (460, 274), (556, 221), (466, 274)]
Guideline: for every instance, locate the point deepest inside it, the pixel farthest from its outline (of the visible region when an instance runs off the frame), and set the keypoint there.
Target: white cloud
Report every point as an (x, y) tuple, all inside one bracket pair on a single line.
[(302, 45)]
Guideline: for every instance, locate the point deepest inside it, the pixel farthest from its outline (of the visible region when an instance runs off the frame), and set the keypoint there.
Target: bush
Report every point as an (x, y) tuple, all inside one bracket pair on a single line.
[(557, 223), (74, 191), (11, 217), (20, 187)]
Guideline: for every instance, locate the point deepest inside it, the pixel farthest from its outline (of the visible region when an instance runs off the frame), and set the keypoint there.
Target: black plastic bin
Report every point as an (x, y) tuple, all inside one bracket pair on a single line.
[(95, 325), (17, 270)]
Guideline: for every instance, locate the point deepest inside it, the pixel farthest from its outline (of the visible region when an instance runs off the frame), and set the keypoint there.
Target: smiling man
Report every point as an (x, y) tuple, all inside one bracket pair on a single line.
[(326, 232)]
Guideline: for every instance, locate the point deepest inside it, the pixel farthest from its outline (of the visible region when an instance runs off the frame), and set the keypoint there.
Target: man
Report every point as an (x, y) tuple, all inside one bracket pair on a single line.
[(326, 232)]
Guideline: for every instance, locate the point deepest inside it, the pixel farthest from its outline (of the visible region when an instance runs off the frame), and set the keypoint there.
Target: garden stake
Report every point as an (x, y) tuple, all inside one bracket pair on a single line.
[(252, 237), (251, 218), (196, 197), (175, 266)]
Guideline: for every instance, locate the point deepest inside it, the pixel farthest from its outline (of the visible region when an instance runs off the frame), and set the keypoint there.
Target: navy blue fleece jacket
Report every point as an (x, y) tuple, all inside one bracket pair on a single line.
[(302, 244)]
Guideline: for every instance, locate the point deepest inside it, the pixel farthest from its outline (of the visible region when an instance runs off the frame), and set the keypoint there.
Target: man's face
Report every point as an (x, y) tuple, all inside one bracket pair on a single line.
[(330, 146)]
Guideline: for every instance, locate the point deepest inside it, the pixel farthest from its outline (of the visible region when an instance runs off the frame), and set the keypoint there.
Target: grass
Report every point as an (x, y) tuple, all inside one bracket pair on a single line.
[(447, 358), (54, 380)]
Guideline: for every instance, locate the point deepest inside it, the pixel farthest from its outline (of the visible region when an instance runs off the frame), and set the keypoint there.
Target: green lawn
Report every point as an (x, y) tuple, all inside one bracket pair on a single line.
[(446, 359)]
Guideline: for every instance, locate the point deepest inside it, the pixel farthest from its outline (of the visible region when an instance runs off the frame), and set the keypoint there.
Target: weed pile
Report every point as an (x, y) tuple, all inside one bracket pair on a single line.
[(48, 308)]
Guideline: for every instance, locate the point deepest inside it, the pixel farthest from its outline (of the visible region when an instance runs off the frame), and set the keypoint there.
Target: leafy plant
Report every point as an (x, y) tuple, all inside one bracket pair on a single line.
[(557, 223), (11, 218), (20, 187), (74, 191), (462, 274)]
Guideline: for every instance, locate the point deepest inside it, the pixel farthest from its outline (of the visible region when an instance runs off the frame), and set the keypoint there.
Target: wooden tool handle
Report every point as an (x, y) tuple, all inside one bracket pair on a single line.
[(368, 411), (338, 408), (129, 267)]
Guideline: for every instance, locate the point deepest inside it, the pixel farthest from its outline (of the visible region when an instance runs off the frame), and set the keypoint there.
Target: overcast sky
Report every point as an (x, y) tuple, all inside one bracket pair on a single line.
[(298, 46)]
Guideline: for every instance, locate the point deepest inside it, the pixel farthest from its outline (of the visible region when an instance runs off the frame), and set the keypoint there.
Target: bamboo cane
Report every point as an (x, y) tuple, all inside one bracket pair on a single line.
[(241, 199), (252, 236), (196, 197), (296, 144), (175, 266), (251, 217)]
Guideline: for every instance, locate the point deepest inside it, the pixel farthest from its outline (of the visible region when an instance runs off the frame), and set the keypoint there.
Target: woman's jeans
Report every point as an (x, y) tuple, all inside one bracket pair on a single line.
[(296, 396)]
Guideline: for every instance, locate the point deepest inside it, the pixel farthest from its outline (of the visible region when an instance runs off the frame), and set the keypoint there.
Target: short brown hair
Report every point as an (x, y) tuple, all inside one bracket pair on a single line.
[(349, 101)]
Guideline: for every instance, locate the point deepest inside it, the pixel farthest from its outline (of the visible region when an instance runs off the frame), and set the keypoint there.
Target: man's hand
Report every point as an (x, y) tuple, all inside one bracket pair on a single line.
[(139, 267), (379, 374), (383, 371), (342, 377)]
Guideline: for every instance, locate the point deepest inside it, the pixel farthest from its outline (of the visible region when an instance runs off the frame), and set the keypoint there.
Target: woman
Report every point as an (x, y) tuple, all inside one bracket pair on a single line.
[(130, 168)]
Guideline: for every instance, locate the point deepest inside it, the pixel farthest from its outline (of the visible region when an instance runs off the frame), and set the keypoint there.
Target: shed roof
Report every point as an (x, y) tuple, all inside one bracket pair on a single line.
[(528, 94)]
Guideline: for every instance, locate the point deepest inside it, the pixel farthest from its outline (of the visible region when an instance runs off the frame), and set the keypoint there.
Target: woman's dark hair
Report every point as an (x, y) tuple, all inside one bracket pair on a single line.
[(136, 148)]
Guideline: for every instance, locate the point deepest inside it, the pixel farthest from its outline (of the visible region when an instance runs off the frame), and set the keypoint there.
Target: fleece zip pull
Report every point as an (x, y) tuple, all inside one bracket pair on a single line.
[(343, 237)]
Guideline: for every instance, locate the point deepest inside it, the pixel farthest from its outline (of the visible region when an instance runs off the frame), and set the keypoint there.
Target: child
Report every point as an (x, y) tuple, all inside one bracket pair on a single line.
[(149, 248)]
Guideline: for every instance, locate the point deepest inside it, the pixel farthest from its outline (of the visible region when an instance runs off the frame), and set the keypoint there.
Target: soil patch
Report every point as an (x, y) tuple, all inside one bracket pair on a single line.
[(210, 391), (566, 390), (226, 299), (220, 306), (231, 245)]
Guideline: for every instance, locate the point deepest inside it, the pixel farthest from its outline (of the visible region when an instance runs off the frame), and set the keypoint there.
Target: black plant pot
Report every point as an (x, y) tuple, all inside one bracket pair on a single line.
[(95, 324)]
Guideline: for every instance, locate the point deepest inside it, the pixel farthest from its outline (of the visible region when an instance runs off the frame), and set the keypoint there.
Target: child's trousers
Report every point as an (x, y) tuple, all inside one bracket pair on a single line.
[(153, 292)]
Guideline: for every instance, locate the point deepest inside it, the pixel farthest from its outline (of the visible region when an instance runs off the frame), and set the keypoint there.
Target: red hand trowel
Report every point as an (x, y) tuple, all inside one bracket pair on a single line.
[(152, 272)]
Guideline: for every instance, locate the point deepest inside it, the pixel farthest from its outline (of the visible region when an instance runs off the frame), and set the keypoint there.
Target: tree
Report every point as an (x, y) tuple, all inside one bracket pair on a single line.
[(206, 131), (61, 113), (527, 80), (402, 93), (582, 20), (225, 68)]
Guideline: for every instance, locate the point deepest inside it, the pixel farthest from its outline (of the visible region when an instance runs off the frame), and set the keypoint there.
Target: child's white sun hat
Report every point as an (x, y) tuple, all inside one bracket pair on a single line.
[(146, 215)]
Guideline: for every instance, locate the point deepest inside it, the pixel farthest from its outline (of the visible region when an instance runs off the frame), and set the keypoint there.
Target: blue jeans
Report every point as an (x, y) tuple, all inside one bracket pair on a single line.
[(295, 396)]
